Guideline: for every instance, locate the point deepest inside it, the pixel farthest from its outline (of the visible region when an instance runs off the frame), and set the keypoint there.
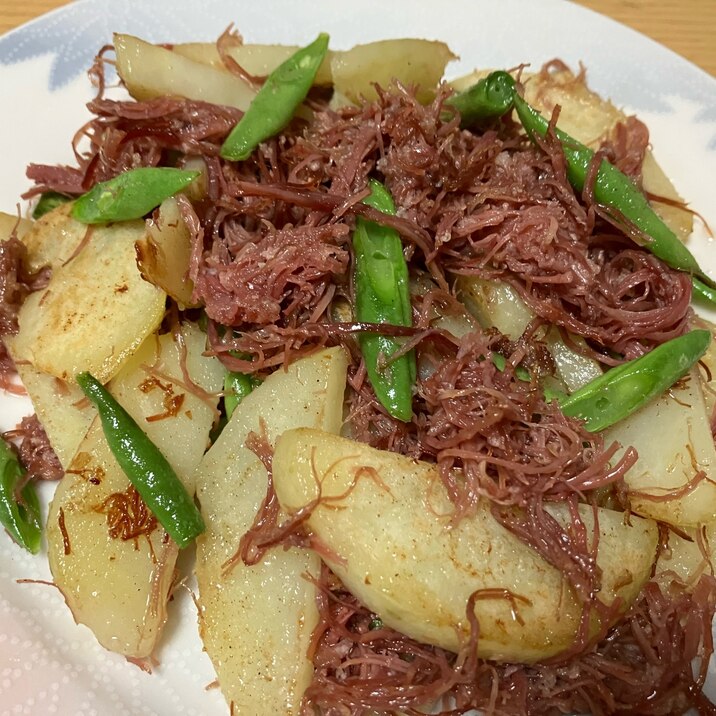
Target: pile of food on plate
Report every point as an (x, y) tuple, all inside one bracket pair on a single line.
[(413, 363)]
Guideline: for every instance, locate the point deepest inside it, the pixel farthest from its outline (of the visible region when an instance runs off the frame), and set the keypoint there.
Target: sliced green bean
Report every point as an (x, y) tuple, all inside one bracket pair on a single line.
[(623, 390), (130, 195), (276, 102), (382, 295), (49, 200), (617, 191), (145, 466), (490, 97), (19, 509), (236, 387)]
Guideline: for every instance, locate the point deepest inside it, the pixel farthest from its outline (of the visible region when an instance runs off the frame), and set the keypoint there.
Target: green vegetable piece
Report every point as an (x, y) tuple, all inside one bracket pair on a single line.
[(490, 97), (616, 191), (49, 200), (702, 291), (382, 295), (500, 363), (623, 390), (236, 387), (130, 195), (19, 514), (145, 466), (276, 102)]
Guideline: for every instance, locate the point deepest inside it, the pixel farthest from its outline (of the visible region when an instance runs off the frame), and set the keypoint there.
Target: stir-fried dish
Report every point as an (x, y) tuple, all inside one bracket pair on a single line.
[(413, 363)]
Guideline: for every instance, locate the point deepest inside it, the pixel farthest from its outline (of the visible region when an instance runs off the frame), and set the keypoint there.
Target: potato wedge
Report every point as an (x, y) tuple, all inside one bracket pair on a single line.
[(497, 304), (150, 71), (53, 238), (388, 517), (411, 62), (10, 223), (256, 622), (684, 558), (257, 60), (95, 311), (672, 435), (708, 377), (119, 587), (59, 406), (163, 253)]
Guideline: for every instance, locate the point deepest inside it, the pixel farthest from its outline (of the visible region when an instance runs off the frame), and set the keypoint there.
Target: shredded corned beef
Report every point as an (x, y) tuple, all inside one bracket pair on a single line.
[(271, 257), (642, 666), (34, 450)]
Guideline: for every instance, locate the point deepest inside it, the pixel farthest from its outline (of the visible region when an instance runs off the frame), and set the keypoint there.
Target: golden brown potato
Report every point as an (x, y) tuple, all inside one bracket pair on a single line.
[(163, 253), (150, 71), (672, 435), (497, 304), (96, 310), (114, 583), (257, 60), (386, 518), (256, 621), (411, 62)]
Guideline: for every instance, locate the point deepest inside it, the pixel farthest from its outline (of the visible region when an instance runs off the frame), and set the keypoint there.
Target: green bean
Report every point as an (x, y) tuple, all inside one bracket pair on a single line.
[(490, 97), (623, 390), (702, 291), (145, 466), (236, 387), (617, 191), (130, 195), (49, 200), (19, 508), (382, 295), (276, 102)]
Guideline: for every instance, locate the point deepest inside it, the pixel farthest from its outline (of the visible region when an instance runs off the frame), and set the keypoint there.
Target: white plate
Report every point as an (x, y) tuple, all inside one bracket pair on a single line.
[(48, 665)]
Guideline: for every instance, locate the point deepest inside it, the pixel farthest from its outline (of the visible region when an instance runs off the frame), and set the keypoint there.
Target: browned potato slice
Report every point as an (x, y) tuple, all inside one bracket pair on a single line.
[(53, 238), (412, 62), (497, 304), (60, 407), (672, 435), (163, 253), (10, 223), (386, 518), (115, 583), (150, 71), (96, 310), (257, 60), (256, 622)]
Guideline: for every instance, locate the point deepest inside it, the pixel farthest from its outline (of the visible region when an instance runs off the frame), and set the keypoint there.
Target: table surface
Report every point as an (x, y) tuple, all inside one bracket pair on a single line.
[(686, 26)]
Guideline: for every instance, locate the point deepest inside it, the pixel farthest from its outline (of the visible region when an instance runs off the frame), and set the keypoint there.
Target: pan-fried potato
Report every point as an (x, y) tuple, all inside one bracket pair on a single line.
[(10, 223), (59, 406), (256, 622), (386, 518), (150, 71), (53, 238), (684, 558), (163, 253), (672, 435), (257, 60), (412, 62), (96, 310), (497, 304), (352, 72), (117, 587)]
